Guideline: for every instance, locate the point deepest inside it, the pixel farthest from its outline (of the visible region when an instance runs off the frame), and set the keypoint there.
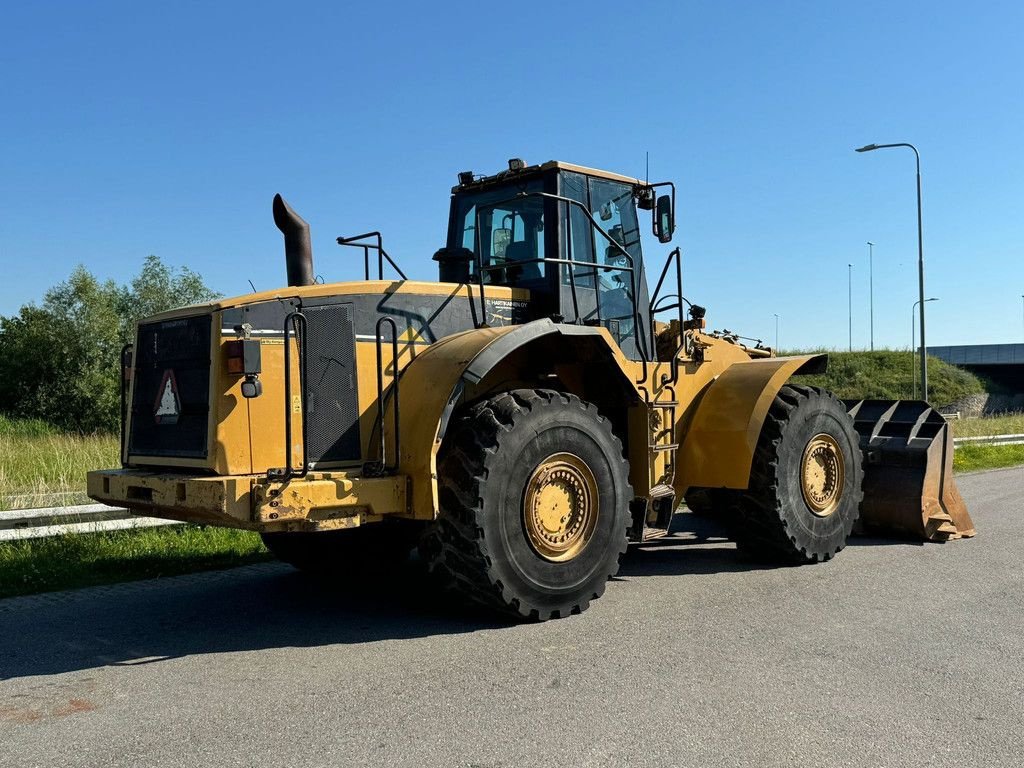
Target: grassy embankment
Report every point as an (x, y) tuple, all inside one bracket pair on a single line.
[(886, 375), (40, 466)]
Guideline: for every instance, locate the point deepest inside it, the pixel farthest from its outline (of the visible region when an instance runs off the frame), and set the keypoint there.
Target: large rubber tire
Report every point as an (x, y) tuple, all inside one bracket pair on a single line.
[(375, 548), (479, 543), (772, 520)]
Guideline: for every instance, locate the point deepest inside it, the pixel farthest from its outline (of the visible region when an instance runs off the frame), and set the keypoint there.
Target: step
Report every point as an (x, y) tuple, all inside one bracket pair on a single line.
[(667, 447)]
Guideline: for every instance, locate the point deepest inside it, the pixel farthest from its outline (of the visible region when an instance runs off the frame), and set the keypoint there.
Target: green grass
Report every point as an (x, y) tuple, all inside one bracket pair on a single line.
[(1006, 424), (40, 466), (886, 374), (971, 458), (88, 559)]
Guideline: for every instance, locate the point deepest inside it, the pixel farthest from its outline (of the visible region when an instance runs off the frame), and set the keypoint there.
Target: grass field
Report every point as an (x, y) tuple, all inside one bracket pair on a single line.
[(88, 559), (1009, 424), (40, 466), (971, 458)]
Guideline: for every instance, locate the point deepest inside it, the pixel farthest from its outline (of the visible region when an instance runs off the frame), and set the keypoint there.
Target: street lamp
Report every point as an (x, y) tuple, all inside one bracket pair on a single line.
[(913, 338), (1022, 311), (920, 253), (849, 289), (871, 289), (777, 329)]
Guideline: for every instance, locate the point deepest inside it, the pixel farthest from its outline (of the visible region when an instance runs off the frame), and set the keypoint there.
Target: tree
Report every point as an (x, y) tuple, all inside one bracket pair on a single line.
[(60, 361), (158, 288)]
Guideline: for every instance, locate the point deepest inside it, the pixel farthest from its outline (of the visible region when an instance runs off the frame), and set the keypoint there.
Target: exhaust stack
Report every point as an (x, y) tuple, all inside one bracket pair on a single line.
[(298, 252)]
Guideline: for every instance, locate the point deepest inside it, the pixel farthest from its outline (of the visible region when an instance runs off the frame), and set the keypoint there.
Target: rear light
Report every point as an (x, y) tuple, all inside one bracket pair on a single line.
[(236, 356), (243, 358)]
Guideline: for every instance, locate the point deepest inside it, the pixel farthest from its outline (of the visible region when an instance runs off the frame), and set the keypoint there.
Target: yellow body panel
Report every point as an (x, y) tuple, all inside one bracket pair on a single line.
[(178, 496), (320, 501)]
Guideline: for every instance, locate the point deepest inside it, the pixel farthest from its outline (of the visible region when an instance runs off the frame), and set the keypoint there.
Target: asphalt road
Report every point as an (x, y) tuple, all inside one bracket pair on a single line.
[(893, 654)]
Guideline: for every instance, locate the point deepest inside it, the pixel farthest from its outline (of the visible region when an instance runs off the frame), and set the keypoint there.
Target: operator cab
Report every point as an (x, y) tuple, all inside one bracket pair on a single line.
[(568, 234)]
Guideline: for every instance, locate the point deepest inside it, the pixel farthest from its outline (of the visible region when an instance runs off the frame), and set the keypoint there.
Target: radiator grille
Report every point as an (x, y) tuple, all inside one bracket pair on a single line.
[(331, 396), (171, 402)]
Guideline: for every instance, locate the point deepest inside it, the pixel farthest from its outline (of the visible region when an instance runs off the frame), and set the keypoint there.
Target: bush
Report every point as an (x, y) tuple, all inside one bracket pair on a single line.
[(59, 362)]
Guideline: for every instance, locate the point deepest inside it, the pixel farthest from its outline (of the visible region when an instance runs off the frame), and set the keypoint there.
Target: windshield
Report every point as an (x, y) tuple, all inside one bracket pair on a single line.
[(506, 233)]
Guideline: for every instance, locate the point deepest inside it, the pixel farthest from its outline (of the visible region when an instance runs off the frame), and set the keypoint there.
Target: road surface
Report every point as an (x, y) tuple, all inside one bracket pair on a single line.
[(893, 654)]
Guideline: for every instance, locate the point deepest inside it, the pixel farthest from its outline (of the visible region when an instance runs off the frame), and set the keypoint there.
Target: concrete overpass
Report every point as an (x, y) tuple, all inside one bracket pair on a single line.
[(1003, 363)]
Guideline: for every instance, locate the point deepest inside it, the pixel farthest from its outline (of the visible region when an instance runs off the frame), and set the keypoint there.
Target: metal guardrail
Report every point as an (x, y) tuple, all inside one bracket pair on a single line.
[(85, 518), (90, 518), (989, 440)]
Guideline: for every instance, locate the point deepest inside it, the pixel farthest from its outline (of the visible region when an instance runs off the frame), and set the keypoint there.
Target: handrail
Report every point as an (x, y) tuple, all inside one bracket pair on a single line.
[(640, 332), (384, 468), (676, 255), (297, 321), (126, 353), (381, 254)]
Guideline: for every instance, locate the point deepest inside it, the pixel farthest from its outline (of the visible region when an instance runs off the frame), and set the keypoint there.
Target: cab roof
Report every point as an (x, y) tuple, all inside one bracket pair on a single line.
[(531, 170)]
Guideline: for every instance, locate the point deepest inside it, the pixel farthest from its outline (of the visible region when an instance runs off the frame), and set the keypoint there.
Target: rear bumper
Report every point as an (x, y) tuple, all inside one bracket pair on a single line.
[(320, 501)]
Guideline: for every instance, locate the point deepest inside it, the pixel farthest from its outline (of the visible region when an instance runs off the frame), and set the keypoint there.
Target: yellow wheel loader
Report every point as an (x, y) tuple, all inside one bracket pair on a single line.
[(521, 420)]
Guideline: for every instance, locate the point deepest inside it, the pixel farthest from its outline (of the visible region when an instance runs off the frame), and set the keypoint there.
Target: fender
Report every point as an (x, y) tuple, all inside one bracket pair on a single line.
[(455, 369), (718, 448)]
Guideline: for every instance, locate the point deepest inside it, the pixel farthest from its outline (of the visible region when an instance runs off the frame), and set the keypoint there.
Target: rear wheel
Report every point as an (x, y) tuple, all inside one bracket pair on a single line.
[(805, 481), (534, 504)]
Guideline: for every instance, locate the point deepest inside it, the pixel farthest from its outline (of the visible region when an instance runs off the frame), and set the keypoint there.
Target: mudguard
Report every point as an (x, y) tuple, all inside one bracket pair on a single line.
[(718, 446), (441, 376)]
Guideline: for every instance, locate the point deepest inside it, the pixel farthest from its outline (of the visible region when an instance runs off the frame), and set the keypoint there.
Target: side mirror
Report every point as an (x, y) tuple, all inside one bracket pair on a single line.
[(664, 219), (499, 242)]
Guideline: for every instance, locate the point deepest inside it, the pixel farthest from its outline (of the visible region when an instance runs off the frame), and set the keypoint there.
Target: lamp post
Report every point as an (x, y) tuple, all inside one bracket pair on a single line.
[(871, 289), (777, 329), (920, 253), (1022, 312), (849, 290), (913, 338)]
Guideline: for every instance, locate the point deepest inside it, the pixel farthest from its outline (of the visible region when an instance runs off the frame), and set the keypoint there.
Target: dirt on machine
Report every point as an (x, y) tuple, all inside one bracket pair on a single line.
[(520, 421)]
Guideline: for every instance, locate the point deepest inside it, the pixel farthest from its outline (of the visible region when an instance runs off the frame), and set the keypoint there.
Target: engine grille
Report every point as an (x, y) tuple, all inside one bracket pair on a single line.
[(332, 398), (170, 408)]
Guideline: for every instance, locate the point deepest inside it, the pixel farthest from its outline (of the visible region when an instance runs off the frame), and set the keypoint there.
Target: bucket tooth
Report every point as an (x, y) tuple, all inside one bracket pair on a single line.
[(909, 488)]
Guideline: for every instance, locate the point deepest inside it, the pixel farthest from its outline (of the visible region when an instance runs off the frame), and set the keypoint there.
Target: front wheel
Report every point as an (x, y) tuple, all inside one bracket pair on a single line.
[(534, 504), (805, 481)]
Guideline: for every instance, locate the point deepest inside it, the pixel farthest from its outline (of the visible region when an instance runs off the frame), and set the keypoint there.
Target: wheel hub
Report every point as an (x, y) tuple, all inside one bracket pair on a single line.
[(822, 474), (561, 507)]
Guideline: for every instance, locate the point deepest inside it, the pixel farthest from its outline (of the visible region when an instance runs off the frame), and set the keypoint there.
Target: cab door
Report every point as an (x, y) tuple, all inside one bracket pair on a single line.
[(603, 294)]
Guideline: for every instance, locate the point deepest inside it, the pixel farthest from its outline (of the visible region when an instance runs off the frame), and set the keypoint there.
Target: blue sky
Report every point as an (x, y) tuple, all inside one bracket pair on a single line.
[(127, 130)]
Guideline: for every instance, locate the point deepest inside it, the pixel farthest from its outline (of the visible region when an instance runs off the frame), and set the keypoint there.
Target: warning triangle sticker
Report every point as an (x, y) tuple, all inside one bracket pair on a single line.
[(167, 407)]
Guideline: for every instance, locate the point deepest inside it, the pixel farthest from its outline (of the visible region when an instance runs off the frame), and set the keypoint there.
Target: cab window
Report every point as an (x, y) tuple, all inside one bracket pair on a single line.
[(506, 233), (612, 206)]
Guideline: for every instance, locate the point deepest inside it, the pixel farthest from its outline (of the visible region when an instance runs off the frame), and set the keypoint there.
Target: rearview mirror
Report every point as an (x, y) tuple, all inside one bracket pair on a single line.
[(664, 219), (499, 242)]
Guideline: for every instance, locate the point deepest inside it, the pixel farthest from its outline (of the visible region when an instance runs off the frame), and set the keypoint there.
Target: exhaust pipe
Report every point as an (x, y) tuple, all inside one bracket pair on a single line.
[(298, 253)]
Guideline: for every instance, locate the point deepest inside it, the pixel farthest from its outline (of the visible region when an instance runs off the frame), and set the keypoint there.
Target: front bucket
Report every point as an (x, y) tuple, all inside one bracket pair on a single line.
[(908, 471)]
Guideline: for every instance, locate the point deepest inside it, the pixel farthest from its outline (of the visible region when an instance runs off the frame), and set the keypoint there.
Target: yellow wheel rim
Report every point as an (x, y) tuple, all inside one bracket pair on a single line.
[(822, 474), (560, 509)]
